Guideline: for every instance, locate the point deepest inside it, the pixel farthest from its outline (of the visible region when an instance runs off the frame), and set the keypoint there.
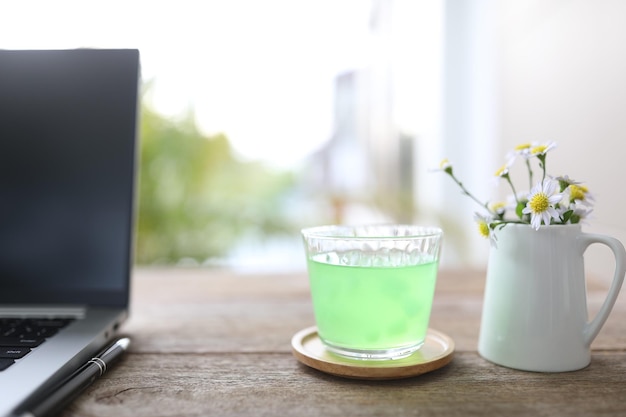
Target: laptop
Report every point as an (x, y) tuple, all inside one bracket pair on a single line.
[(68, 151)]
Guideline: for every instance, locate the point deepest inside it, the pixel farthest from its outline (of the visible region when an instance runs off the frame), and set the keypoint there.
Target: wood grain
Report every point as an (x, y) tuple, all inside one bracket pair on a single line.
[(277, 384), (212, 342)]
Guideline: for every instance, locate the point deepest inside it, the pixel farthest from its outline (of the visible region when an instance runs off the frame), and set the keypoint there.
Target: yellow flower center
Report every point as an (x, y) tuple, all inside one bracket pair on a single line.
[(539, 203), (577, 192), (502, 171), (497, 206), (538, 149), (522, 146), (483, 229), (444, 163)]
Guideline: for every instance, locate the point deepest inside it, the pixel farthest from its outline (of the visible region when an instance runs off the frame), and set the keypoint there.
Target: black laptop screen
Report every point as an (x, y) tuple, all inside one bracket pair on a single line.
[(67, 169)]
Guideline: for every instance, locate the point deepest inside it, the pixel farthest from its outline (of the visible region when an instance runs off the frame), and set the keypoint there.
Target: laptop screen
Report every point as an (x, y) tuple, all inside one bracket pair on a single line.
[(68, 127)]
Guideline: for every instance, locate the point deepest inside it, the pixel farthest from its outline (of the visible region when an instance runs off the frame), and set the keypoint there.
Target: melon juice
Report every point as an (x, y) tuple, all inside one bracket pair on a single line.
[(372, 308)]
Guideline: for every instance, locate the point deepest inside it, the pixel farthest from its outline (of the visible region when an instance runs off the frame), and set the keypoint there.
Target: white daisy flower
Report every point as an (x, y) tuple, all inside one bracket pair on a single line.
[(542, 149), (485, 231), (579, 194), (582, 211), (541, 202), (499, 207), (522, 150), (503, 171), (566, 180), (445, 166)]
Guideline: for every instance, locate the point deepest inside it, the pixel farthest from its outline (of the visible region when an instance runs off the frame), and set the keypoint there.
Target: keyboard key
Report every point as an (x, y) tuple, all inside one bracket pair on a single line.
[(13, 352), (20, 342), (19, 335)]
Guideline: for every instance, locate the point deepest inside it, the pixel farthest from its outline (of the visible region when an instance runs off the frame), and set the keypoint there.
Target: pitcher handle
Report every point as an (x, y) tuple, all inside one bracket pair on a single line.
[(593, 328)]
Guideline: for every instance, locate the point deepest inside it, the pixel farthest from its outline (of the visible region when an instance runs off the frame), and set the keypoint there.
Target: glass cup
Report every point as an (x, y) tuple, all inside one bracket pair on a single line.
[(372, 287)]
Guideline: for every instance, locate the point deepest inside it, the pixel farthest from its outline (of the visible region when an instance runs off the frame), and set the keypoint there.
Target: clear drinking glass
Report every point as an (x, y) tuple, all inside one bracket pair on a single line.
[(372, 287)]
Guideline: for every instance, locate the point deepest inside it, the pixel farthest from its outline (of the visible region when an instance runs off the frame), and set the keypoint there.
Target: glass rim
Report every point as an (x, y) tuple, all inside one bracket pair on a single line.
[(351, 231)]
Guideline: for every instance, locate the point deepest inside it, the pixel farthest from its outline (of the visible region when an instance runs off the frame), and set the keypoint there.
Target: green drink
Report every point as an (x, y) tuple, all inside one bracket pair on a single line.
[(372, 287), (372, 308)]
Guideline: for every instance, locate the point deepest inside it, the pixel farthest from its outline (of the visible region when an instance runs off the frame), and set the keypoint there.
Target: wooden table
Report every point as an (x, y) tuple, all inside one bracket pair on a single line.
[(214, 343)]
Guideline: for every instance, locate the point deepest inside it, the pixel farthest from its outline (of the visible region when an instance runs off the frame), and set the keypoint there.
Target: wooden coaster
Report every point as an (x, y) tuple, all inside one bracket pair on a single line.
[(437, 351)]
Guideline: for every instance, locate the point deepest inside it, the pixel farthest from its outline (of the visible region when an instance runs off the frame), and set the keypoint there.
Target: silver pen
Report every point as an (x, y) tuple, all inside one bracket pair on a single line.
[(78, 381)]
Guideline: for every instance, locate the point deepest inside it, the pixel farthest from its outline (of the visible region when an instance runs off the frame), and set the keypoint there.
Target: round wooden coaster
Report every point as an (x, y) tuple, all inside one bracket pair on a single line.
[(437, 351)]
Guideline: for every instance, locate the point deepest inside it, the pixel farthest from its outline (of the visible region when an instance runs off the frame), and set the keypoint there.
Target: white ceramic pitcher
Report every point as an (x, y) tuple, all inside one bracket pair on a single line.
[(535, 305)]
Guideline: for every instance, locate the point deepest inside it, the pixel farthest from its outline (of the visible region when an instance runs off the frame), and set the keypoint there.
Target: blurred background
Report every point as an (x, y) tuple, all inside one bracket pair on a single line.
[(260, 118)]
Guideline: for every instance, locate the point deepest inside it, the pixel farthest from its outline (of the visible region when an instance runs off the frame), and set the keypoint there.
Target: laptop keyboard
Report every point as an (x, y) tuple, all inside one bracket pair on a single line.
[(18, 336)]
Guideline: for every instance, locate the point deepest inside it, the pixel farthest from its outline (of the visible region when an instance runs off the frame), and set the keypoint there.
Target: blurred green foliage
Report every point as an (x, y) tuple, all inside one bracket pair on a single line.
[(196, 199)]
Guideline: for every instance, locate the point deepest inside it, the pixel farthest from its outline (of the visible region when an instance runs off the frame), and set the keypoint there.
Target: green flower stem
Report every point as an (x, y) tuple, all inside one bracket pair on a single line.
[(542, 164), (530, 173), (467, 193), (508, 179), (503, 223)]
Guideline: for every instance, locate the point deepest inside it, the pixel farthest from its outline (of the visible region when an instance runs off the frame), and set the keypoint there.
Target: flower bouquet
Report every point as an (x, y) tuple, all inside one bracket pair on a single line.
[(550, 201), (535, 310)]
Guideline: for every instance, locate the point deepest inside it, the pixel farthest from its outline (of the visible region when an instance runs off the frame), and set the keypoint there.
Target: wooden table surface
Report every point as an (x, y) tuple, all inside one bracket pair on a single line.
[(209, 342)]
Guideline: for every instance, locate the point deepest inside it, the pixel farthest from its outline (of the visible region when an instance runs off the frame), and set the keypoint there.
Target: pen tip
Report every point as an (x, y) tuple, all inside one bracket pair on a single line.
[(123, 342)]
